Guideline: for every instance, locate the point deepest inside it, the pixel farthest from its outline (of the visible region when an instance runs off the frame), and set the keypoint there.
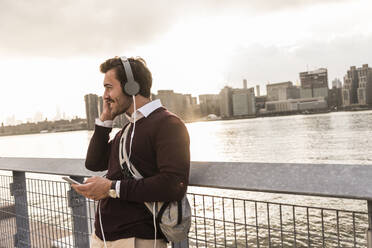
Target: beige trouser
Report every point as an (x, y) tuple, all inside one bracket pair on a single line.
[(127, 243)]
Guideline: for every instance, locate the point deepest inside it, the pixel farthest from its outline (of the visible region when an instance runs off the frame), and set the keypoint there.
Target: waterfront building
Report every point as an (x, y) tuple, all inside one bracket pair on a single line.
[(282, 91), (335, 97), (91, 109), (364, 91), (350, 88), (260, 102), (226, 102), (314, 83), (245, 84), (258, 90), (291, 105), (243, 102), (182, 105), (209, 104), (336, 83)]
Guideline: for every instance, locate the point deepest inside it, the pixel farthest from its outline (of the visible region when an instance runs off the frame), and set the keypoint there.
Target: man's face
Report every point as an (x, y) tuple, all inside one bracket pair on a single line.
[(117, 101)]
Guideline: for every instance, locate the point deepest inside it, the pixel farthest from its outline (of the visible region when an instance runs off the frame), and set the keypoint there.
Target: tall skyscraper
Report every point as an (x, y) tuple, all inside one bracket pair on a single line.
[(364, 92), (350, 89), (314, 83), (226, 102), (243, 101), (281, 91), (209, 104), (357, 87), (91, 109)]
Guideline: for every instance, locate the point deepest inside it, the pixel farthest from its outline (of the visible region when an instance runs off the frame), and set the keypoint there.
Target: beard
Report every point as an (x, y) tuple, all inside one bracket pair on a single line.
[(120, 106)]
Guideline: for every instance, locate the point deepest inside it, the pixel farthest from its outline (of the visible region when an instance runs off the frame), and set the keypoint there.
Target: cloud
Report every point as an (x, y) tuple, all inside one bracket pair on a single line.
[(78, 27), (262, 64)]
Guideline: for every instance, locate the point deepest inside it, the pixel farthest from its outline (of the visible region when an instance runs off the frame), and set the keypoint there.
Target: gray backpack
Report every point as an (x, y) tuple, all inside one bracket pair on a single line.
[(174, 218)]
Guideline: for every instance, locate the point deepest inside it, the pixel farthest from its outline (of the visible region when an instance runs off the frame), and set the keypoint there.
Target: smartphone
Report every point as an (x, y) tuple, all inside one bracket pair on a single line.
[(70, 180)]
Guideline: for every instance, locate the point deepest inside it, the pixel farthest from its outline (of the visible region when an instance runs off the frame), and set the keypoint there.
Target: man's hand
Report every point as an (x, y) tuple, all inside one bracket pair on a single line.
[(106, 111), (95, 188)]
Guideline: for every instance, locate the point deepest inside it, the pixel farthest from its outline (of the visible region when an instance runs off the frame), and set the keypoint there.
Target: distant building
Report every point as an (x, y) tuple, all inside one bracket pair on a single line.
[(357, 87), (350, 89), (364, 92), (91, 109), (260, 102), (290, 105), (258, 90), (245, 84), (243, 101), (185, 106), (282, 91), (314, 83), (226, 102), (336, 83), (209, 104), (335, 98)]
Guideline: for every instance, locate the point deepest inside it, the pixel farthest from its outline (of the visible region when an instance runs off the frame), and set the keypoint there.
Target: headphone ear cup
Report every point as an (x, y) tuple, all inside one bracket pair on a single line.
[(131, 88)]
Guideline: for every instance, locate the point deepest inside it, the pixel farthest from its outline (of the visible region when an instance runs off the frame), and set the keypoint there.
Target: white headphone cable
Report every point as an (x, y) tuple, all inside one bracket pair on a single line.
[(100, 223), (132, 134), (154, 214)]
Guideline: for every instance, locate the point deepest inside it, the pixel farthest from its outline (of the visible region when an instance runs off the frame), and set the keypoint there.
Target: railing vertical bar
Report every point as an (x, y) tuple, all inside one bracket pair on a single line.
[(79, 210), (245, 224), (196, 224), (224, 222), (205, 224), (44, 212), (51, 203), (38, 207), (308, 227), (22, 216), (256, 214), (323, 235), (214, 223), (281, 225), (65, 209), (236, 241), (338, 228), (47, 210), (294, 226), (354, 229), (59, 194), (268, 222)]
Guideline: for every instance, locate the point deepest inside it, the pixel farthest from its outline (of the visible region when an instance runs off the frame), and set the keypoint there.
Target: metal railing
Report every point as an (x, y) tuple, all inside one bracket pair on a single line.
[(47, 213)]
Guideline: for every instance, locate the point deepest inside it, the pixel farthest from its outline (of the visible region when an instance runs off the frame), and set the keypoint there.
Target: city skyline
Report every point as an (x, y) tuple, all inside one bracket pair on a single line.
[(190, 46), (38, 116)]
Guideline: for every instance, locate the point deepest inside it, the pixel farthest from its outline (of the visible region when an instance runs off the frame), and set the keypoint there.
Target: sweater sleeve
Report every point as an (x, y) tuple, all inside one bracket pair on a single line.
[(99, 149), (172, 147)]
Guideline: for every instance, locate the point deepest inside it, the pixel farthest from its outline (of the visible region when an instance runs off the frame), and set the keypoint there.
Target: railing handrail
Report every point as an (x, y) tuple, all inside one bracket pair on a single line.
[(330, 180)]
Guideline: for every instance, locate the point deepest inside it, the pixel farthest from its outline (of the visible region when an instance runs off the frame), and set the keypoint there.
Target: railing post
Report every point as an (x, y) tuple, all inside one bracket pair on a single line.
[(19, 191), (182, 244), (369, 231), (77, 203)]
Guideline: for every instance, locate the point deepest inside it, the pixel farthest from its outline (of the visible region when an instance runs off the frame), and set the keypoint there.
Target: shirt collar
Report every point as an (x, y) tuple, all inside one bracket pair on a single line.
[(145, 110)]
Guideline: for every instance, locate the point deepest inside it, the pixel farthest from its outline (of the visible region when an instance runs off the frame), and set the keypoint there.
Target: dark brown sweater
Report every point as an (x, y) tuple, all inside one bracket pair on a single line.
[(160, 152)]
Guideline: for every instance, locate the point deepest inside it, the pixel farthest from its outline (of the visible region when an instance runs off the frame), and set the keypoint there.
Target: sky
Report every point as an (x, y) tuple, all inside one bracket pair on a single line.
[(50, 51)]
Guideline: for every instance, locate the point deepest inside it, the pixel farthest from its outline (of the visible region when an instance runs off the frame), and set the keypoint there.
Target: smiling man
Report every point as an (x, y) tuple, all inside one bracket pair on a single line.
[(159, 151)]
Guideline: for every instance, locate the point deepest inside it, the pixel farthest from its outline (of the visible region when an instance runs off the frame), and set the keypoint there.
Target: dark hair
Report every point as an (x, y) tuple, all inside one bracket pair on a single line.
[(141, 73)]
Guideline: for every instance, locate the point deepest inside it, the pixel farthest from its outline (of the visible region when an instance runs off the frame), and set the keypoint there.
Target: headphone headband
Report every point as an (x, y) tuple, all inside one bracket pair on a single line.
[(131, 87)]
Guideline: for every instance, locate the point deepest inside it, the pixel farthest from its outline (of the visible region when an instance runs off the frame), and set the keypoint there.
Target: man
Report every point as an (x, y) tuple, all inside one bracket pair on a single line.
[(159, 151)]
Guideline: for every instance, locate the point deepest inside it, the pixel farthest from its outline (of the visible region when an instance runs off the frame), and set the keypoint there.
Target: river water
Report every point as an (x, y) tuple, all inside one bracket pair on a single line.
[(337, 138)]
